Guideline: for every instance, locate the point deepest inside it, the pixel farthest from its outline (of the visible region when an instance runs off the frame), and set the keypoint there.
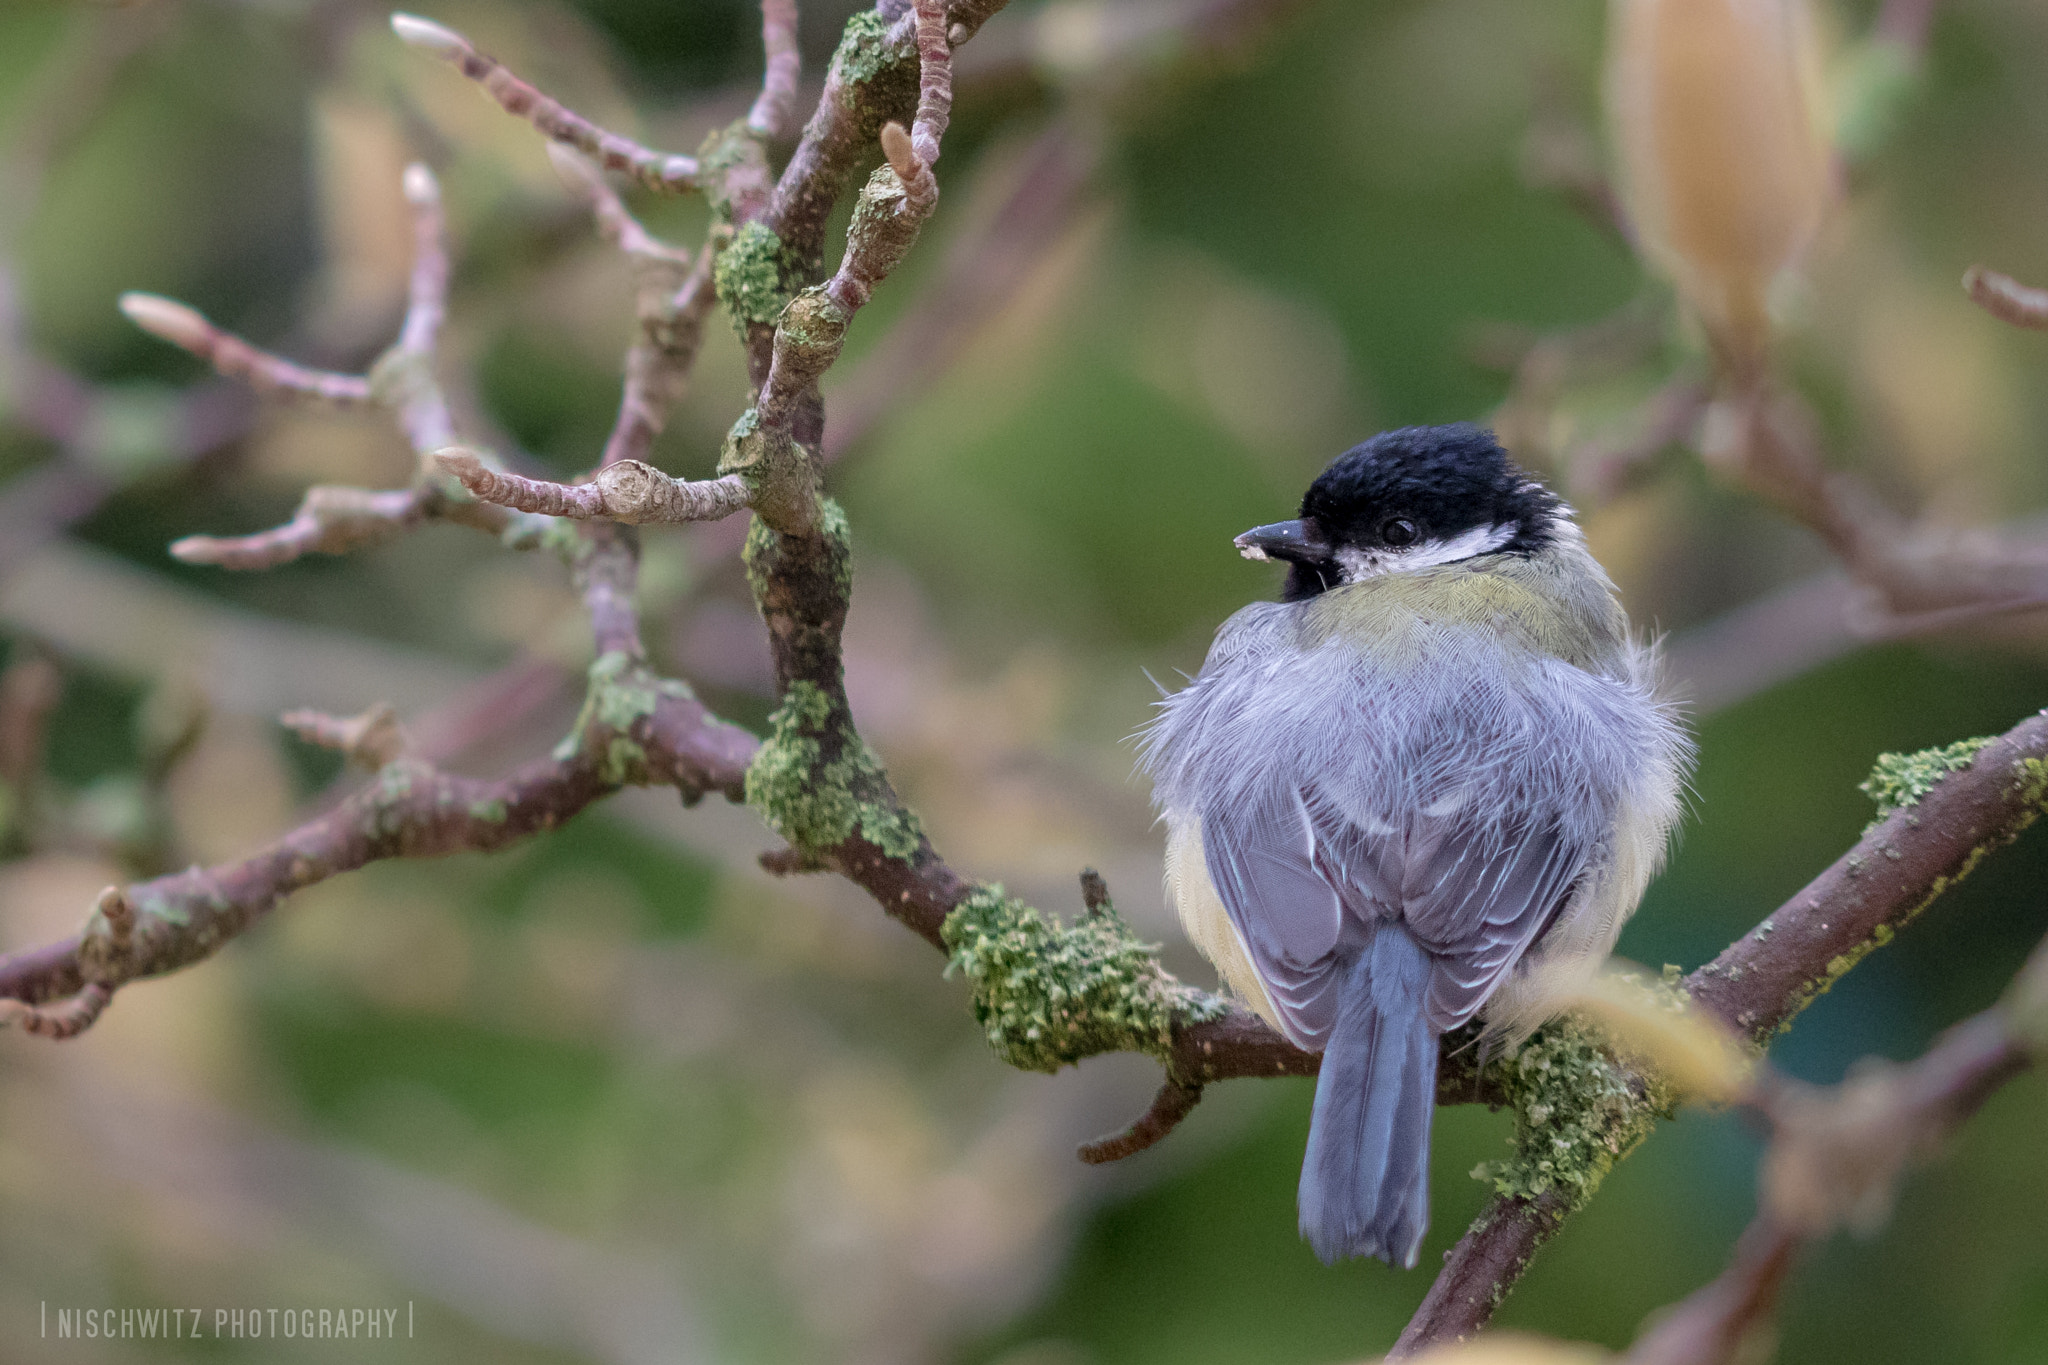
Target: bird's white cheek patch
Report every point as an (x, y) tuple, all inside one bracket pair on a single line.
[(1360, 564)]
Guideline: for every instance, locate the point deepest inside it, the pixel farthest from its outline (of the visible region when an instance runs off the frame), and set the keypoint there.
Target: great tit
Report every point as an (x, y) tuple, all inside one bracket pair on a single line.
[(1432, 779)]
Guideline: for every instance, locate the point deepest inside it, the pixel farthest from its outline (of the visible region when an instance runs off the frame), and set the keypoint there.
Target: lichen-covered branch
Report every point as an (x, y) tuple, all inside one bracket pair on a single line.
[(656, 170), (636, 728), (873, 79), (1941, 812)]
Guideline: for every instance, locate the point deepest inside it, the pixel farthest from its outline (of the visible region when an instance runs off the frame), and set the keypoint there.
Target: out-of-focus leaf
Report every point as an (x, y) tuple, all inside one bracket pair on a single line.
[(1689, 1049), (1512, 1349)]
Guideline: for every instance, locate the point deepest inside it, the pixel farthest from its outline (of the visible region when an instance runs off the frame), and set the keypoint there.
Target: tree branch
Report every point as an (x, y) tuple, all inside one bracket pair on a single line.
[(636, 729), (656, 170), (775, 106), (233, 358), (1838, 1156), (335, 519), (1948, 808)]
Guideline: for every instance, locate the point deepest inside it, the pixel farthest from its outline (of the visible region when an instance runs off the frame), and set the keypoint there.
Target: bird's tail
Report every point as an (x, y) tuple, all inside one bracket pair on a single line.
[(1365, 1180)]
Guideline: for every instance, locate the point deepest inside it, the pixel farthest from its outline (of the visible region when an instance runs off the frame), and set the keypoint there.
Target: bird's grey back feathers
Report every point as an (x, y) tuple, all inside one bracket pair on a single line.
[(1451, 777)]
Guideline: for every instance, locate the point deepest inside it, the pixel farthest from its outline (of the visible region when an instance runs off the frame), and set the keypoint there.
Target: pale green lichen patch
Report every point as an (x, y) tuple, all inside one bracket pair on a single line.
[(752, 277), (622, 691), (761, 551), (725, 149), (866, 55), (1900, 780), (1576, 1110), (1049, 994), (817, 803)]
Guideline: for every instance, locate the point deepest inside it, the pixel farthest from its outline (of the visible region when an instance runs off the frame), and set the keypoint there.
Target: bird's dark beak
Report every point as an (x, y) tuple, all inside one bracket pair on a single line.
[(1290, 540)]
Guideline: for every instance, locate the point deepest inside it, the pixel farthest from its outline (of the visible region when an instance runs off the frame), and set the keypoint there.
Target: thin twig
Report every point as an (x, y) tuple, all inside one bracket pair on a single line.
[(630, 492), (332, 519), (675, 297), (1715, 1324), (2006, 299), (1838, 1156), (656, 170), (775, 107), (271, 375), (335, 519), (1173, 1103)]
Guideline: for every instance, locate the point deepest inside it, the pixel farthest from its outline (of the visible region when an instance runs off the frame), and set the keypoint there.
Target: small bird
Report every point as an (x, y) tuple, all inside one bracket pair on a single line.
[(1433, 778)]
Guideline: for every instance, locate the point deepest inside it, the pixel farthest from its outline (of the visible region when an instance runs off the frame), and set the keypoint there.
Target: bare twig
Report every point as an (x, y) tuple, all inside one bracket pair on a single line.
[(1173, 1103), (335, 519), (1716, 1324), (656, 170), (371, 739), (404, 376), (1767, 442), (674, 298), (629, 491), (2006, 299), (332, 519), (775, 108), (1601, 470), (270, 375)]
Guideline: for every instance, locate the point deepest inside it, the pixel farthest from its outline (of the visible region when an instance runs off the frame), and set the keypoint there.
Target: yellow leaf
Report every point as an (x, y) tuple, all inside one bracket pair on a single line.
[(1688, 1049)]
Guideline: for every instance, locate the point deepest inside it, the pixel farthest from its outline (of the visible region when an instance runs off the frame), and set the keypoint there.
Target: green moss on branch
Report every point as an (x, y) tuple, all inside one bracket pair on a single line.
[(1049, 994), (1900, 780), (817, 784), (1577, 1112), (755, 276), (622, 692)]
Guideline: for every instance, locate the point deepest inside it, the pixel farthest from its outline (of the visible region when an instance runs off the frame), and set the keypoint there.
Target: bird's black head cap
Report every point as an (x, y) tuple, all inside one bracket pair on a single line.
[(1415, 488)]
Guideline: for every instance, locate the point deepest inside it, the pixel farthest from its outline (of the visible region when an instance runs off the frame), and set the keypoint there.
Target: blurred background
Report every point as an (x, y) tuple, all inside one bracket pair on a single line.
[(617, 1096)]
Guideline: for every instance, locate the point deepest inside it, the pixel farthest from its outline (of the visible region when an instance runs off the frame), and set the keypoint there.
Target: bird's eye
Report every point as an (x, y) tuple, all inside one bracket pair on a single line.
[(1400, 531)]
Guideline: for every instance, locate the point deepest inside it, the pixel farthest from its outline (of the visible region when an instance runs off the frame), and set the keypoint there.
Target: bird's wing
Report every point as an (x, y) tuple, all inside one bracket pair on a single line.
[(1304, 881)]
